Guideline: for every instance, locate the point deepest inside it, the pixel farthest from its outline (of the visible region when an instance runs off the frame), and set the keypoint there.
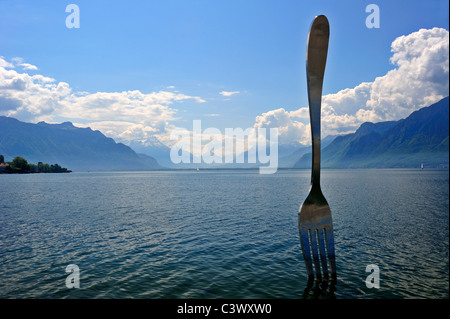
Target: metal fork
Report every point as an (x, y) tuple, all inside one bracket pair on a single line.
[(314, 219)]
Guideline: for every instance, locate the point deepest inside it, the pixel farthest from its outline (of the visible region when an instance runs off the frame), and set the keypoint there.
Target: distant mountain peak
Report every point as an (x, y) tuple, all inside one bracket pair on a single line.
[(57, 125), (67, 124), (379, 127), (422, 137), (73, 147)]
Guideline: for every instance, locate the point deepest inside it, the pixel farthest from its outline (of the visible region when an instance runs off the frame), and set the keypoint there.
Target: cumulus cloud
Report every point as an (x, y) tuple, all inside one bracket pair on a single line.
[(5, 64), (123, 130), (127, 115), (152, 109), (289, 130), (419, 78), (33, 96)]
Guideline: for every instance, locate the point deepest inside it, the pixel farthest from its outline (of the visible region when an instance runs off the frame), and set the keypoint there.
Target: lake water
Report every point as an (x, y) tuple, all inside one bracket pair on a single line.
[(220, 234)]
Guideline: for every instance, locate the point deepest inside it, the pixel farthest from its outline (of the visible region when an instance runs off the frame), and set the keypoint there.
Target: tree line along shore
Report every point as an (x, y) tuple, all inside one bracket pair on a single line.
[(20, 165)]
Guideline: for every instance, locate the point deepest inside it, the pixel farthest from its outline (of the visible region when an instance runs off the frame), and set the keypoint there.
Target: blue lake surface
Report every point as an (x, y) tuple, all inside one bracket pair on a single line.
[(220, 234)]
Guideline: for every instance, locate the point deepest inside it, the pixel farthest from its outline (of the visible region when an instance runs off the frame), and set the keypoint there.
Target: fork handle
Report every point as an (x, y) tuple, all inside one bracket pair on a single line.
[(316, 58)]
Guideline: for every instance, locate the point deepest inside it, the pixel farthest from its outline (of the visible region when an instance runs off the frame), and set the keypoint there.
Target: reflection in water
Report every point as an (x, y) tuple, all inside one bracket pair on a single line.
[(320, 289)]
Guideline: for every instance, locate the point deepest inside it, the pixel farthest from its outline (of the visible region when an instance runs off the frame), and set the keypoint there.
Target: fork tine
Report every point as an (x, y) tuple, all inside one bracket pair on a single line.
[(315, 253), (323, 256), (329, 237), (304, 241)]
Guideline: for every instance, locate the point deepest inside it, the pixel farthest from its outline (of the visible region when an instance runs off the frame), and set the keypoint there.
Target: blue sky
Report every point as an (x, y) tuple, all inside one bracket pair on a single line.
[(197, 49)]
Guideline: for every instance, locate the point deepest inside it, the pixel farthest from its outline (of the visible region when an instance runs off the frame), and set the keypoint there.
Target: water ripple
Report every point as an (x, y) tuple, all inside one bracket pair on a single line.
[(219, 234)]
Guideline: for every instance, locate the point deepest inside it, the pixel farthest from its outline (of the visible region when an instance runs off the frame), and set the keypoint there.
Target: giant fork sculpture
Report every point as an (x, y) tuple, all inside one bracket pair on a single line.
[(315, 224)]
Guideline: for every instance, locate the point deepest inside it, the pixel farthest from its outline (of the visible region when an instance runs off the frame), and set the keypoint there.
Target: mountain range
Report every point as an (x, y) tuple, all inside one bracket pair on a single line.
[(75, 148), (288, 154), (421, 138)]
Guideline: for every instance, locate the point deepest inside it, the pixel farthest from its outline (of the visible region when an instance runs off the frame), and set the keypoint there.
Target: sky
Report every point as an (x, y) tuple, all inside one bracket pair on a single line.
[(136, 70)]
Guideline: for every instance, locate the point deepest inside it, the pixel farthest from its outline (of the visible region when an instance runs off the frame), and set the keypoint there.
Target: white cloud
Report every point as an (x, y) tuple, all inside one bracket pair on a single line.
[(229, 93), (122, 130), (152, 109), (5, 64), (288, 129), (127, 115), (301, 113), (28, 66), (420, 78), (30, 97)]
